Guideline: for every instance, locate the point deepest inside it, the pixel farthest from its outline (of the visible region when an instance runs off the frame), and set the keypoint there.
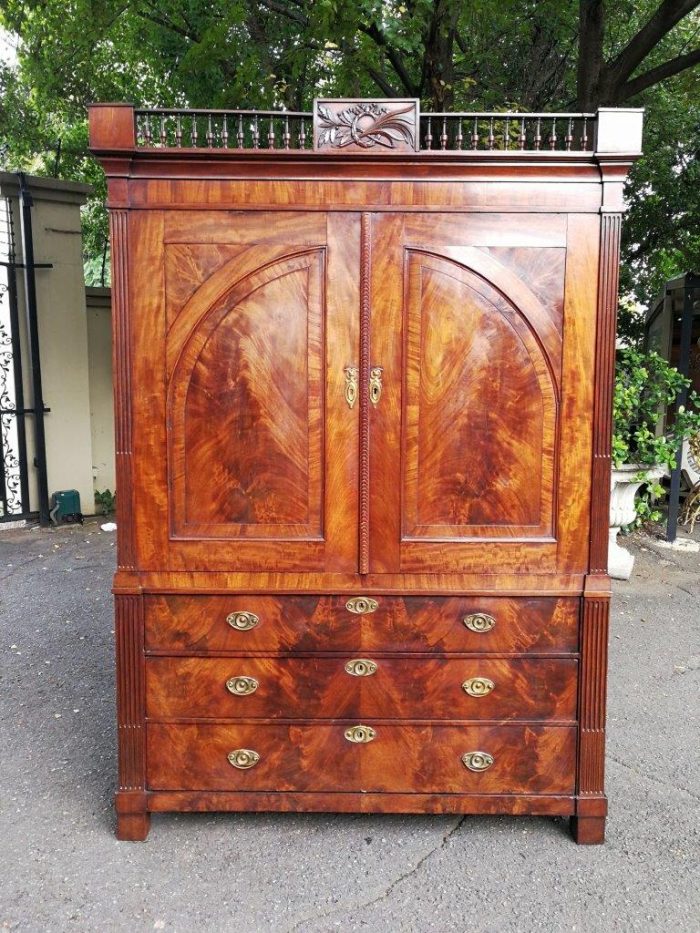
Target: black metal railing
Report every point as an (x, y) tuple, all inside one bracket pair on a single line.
[(164, 128)]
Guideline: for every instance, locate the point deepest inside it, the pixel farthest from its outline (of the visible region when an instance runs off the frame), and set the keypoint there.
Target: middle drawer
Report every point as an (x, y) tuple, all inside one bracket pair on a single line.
[(349, 687)]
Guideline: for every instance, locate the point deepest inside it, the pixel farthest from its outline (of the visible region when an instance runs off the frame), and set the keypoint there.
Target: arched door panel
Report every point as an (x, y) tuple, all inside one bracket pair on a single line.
[(469, 417)]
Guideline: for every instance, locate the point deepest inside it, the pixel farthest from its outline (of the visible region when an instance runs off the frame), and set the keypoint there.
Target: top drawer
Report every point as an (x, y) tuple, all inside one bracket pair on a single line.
[(327, 623)]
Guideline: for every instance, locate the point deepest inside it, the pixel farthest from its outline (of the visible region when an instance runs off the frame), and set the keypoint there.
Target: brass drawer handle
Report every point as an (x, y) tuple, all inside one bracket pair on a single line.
[(478, 686), (351, 382), (361, 667), (242, 621), (479, 622), (361, 605), (360, 734), (243, 758), (477, 761), (242, 686), (375, 384)]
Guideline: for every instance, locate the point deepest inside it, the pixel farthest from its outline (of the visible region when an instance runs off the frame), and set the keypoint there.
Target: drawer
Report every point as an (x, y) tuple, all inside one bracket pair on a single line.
[(429, 624), (400, 758), (401, 688)]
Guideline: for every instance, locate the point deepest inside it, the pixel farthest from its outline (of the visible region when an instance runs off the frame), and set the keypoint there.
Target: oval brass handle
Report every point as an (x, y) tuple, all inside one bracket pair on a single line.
[(361, 667), (360, 605), (351, 381), (478, 686), (477, 761), (242, 621), (479, 622), (243, 758), (360, 734), (375, 384), (242, 686)]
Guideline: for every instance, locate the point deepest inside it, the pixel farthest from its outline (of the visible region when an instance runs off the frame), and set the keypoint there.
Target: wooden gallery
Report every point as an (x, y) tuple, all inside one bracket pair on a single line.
[(364, 361)]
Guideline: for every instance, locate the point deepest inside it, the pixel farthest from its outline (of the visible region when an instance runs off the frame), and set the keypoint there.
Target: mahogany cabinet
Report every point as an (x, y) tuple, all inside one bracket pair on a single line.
[(363, 362)]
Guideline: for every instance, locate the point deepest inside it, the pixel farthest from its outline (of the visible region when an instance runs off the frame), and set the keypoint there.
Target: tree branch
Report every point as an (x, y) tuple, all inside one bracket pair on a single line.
[(654, 75), (274, 7), (397, 63), (662, 22)]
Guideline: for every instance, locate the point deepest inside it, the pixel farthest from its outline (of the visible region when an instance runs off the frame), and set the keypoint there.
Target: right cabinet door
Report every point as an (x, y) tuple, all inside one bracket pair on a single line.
[(483, 327)]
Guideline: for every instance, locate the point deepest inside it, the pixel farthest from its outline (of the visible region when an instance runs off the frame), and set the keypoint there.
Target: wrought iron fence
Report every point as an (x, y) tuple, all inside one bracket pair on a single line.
[(12, 441)]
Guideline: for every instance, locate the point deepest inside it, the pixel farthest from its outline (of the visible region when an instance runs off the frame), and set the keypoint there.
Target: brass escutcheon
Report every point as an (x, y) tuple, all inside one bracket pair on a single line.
[(351, 382), (478, 686), (242, 686), (243, 758), (361, 605), (242, 621), (361, 667), (360, 734), (479, 622), (375, 384), (477, 761)]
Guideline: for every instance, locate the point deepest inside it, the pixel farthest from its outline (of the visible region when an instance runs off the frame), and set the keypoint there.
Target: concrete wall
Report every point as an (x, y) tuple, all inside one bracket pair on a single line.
[(99, 331), (63, 333)]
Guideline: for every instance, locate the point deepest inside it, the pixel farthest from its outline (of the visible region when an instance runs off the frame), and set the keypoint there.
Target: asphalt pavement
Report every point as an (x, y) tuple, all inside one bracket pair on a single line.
[(62, 869)]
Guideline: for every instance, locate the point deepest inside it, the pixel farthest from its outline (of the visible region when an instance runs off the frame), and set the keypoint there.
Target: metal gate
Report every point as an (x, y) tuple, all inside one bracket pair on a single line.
[(14, 482)]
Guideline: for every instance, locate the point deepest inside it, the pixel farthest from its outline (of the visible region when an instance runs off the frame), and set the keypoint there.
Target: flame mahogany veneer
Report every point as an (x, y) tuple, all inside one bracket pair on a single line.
[(359, 374)]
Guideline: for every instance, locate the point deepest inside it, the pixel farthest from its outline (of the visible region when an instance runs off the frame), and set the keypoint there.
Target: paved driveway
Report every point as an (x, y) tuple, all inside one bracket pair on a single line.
[(63, 870)]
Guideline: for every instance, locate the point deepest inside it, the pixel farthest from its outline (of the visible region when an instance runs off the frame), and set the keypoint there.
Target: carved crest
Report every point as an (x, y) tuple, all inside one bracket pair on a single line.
[(366, 124)]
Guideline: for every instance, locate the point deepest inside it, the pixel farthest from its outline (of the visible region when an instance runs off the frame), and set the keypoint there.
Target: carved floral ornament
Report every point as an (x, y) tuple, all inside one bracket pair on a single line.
[(366, 125)]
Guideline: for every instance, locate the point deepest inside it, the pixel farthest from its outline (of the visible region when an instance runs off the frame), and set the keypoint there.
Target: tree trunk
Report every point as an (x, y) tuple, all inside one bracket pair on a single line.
[(438, 76), (590, 54)]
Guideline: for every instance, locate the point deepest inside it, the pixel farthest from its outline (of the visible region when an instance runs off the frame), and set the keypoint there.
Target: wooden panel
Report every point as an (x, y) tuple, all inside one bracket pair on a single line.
[(478, 411), (450, 188), (252, 339), (343, 802), (317, 757), (604, 378), (246, 405), (322, 688), (472, 368), (322, 623), (122, 369)]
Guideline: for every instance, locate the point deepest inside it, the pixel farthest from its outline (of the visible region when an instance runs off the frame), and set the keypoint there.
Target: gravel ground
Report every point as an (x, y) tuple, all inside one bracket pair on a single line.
[(63, 870)]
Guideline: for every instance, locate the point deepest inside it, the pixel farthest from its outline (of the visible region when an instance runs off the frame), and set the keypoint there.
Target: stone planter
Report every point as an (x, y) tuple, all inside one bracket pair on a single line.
[(624, 486)]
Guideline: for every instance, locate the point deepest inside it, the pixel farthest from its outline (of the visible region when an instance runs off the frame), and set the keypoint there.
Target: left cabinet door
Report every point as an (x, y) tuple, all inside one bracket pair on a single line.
[(245, 335)]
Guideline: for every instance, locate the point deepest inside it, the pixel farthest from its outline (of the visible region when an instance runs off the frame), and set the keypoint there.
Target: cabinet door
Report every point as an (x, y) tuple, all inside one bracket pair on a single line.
[(257, 469), (480, 395)]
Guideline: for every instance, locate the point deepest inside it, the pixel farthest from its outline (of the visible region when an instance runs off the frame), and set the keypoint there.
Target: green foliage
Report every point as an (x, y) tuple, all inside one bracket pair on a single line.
[(270, 53), (105, 502), (645, 385)]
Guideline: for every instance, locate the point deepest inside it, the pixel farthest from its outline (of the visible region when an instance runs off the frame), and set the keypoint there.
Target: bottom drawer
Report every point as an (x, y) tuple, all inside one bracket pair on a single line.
[(511, 759)]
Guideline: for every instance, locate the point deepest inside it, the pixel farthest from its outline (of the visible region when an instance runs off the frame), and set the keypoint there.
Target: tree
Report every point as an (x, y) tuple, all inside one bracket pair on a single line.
[(483, 55)]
